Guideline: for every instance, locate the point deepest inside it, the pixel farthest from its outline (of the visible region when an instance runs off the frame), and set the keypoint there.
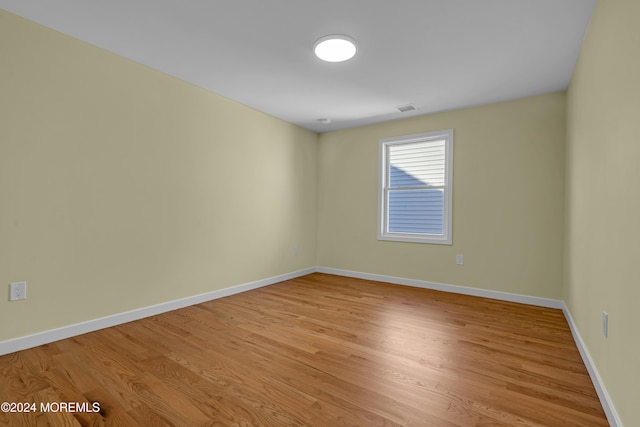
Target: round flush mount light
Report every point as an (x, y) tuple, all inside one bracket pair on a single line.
[(335, 48)]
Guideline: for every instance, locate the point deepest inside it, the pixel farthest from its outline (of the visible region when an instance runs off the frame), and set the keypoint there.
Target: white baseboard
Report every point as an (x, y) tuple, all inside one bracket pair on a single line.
[(603, 395), (503, 296), (605, 400), (29, 341)]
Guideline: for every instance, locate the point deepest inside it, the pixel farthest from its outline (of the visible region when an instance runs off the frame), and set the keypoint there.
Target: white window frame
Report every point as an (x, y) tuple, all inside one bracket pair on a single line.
[(383, 189)]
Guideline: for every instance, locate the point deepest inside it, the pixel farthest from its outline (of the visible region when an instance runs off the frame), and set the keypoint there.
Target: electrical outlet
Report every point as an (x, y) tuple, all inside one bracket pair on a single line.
[(17, 291), (295, 250), (460, 259), (605, 324)]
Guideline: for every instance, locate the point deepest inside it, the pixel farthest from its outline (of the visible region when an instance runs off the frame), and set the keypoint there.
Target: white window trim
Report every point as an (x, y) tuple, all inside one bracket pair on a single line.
[(383, 179)]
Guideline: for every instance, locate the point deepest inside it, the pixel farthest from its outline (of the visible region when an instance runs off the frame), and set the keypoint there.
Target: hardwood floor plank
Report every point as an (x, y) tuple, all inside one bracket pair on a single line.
[(319, 350)]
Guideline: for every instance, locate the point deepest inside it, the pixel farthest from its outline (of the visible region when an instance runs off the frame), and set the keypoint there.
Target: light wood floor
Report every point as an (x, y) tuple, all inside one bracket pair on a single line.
[(320, 350)]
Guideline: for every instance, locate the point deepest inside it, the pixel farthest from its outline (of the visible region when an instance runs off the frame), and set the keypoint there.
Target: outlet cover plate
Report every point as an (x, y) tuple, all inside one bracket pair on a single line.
[(17, 291)]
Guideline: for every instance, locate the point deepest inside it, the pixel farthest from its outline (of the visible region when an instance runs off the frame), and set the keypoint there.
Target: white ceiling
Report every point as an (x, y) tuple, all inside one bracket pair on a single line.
[(435, 54)]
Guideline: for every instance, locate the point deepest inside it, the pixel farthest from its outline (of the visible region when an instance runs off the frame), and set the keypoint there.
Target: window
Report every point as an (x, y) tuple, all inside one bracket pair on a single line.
[(415, 188)]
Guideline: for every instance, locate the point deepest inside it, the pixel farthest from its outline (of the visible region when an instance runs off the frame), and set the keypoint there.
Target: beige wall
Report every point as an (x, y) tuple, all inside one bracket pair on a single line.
[(121, 187), (507, 204), (603, 199)]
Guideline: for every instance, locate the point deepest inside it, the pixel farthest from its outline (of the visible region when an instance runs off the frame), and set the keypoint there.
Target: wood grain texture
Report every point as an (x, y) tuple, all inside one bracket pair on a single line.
[(320, 350)]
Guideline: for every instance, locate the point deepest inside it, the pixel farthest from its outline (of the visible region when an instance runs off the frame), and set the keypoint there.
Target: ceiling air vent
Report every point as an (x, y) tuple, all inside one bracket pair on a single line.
[(405, 108)]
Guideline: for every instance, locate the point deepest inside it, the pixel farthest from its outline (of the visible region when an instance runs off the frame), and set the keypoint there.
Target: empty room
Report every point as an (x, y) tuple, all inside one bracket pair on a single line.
[(319, 213)]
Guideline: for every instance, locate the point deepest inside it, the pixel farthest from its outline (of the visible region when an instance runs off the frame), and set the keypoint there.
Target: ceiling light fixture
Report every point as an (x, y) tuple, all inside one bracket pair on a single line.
[(335, 48)]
